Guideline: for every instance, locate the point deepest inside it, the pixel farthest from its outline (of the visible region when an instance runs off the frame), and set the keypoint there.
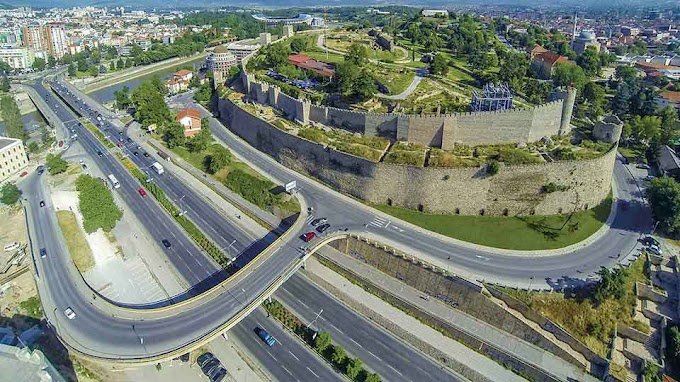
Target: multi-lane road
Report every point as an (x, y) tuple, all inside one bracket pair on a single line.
[(244, 332)]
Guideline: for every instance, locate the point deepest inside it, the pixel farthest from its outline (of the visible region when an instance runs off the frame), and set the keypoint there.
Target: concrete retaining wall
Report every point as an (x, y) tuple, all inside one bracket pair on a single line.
[(633, 334)]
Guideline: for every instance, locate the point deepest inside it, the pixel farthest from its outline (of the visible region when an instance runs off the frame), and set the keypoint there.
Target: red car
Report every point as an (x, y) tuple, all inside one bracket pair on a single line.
[(142, 192), (308, 236), (23, 174), (120, 144)]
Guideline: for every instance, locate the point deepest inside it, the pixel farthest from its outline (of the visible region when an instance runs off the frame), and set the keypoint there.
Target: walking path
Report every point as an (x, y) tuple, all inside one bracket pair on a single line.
[(494, 337)]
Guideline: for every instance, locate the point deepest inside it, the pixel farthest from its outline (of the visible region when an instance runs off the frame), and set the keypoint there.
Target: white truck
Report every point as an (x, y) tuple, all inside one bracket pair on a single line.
[(158, 168)]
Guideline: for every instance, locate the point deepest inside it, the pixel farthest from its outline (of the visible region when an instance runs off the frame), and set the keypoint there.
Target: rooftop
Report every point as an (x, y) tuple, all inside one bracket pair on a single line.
[(188, 112), (6, 141), (306, 62), (670, 96), (24, 365)]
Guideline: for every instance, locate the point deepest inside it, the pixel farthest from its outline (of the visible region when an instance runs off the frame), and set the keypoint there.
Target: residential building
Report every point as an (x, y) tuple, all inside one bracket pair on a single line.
[(240, 49), (667, 98), (17, 58), (183, 75), (584, 40), (168, 39), (12, 157), (669, 164), (630, 31), (175, 86), (190, 119), (55, 36), (21, 364), (435, 12), (219, 62), (10, 37), (306, 62), (544, 61)]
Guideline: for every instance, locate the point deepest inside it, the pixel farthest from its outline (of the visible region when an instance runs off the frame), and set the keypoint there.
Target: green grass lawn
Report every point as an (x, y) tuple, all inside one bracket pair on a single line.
[(75, 241), (517, 233), (633, 152)]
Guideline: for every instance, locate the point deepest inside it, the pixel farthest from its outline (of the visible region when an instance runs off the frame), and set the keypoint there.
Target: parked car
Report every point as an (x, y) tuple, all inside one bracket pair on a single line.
[(307, 237), (41, 169), (318, 221), (655, 249), (23, 174), (204, 358), (43, 253), (648, 240), (100, 153), (649, 178), (642, 166), (322, 228)]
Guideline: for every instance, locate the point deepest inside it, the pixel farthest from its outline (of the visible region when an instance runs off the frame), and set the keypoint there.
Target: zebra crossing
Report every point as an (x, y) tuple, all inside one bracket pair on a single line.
[(380, 222)]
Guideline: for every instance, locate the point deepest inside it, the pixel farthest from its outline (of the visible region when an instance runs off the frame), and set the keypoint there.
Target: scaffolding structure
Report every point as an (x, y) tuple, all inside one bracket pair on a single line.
[(493, 98)]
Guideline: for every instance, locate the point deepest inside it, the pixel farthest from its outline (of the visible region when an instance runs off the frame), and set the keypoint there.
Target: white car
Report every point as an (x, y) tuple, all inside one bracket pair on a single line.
[(70, 313)]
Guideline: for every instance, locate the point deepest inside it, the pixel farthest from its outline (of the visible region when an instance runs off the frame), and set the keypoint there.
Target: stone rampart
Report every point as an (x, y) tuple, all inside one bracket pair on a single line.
[(515, 190), (441, 131)]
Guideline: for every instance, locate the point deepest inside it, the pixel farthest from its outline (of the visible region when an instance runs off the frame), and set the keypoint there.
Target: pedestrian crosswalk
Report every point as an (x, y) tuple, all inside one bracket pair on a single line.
[(379, 222)]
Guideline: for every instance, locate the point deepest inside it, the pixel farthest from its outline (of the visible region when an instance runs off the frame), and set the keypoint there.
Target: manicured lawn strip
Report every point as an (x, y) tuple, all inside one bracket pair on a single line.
[(77, 245), (509, 232), (96, 132)]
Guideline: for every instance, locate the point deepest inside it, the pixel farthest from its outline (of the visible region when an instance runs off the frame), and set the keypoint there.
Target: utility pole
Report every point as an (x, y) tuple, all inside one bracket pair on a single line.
[(315, 318)]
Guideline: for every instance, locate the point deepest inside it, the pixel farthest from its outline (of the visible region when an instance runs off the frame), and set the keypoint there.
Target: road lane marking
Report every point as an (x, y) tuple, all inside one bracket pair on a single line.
[(312, 371), (287, 371), (395, 370), (294, 356), (371, 353), (303, 304), (356, 343)]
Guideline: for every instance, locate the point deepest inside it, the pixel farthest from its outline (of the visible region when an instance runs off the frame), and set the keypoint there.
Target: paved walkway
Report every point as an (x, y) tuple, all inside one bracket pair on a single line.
[(502, 341)]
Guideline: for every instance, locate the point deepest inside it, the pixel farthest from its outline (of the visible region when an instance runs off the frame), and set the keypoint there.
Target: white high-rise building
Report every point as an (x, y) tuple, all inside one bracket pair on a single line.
[(57, 43), (17, 58)]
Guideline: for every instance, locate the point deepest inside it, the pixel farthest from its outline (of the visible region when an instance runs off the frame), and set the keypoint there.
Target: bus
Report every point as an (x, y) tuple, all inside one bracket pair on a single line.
[(114, 181)]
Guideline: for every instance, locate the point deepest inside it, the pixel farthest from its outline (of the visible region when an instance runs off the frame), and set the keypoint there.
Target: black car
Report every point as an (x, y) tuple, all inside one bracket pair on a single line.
[(218, 374), (42, 203), (322, 228), (649, 241), (146, 155), (135, 153), (208, 366), (204, 358), (100, 153), (166, 243), (41, 169), (43, 252)]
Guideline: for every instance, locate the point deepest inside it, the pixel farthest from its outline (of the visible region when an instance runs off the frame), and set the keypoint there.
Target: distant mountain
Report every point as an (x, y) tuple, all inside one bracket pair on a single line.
[(183, 4)]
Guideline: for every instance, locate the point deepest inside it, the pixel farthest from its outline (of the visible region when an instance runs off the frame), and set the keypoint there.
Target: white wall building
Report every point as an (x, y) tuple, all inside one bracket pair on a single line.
[(17, 58), (12, 157)]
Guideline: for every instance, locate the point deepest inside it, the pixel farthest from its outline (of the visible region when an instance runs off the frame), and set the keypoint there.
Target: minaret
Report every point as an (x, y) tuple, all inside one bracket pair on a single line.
[(573, 35)]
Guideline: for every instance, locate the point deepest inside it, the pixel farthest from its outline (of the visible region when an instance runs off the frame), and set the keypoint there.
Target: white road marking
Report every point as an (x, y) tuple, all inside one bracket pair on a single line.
[(287, 371), (312, 371), (388, 224), (294, 356), (356, 343), (371, 353), (395, 370), (303, 304)]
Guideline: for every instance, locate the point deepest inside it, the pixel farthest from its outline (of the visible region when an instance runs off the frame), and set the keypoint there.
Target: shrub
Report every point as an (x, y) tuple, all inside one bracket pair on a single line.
[(553, 187), (253, 189), (563, 153), (322, 341), (493, 167), (10, 194), (56, 165), (354, 367), (314, 135), (339, 356), (516, 156)]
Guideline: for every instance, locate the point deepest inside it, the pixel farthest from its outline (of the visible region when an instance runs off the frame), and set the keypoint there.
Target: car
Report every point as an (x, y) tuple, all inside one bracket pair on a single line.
[(120, 144), (70, 313), (642, 166), (135, 153), (218, 374), (208, 366), (655, 249), (100, 153), (204, 358), (307, 237), (146, 155), (43, 252), (129, 140), (322, 228), (166, 243), (84, 166), (142, 192), (23, 174), (42, 203), (649, 241), (41, 169), (316, 222), (265, 336), (649, 178)]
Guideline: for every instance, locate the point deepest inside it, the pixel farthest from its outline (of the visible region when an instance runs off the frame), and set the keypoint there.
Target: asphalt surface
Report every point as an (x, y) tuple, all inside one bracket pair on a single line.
[(297, 354)]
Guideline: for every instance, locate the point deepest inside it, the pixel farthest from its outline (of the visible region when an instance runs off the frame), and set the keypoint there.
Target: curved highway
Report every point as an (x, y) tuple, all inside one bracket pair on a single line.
[(105, 331)]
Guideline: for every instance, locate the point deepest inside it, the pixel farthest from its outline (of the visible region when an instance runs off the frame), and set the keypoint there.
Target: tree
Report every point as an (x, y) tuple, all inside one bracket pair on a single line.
[(621, 102), (51, 61), (439, 65), (120, 64), (670, 127), (612, 284), (219, 159), (339, 356), (150, 105), (5, 69), (514, 69), (95, 56), (357, 54), (72, 70), (567, 74), (122, 98), (33, 147), (354, 367), (537, 91), (364, 87), (203, 139), (345, 75), (298, 45), (644, 129), (112, 66), (204, 94), (82, 64), (39, 64), (663, 195), (594, 95), (11, 115), (322, 341), (93, 71), (96, 204), (372, 378), (56, 165), (589, 60), (10, 194), (174, 135), (673, 349), (5, 86)]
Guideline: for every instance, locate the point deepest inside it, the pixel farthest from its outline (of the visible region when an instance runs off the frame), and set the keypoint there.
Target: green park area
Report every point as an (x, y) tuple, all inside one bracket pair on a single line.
[(77, 245), (510, 232)]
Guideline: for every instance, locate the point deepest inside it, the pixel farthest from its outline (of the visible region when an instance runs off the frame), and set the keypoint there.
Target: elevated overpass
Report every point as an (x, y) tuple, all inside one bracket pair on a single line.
[(107, 331)]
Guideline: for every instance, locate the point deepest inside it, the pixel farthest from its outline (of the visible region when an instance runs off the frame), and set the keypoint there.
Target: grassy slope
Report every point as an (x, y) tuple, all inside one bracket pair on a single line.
[(508, 232), (75, 241)]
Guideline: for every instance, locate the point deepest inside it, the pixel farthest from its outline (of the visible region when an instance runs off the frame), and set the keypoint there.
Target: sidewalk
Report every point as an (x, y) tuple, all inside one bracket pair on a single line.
[(473, 327)]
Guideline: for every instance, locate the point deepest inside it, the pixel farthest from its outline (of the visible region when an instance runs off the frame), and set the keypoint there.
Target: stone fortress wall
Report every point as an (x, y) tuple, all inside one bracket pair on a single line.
[(515, 190), (440, 131)]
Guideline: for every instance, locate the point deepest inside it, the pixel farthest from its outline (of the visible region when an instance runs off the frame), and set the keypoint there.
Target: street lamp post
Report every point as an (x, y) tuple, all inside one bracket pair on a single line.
[(315, 318)]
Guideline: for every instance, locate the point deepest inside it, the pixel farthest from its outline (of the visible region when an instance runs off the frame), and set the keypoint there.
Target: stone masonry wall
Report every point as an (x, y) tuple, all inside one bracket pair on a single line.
[(441, 131), (467, 191)]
